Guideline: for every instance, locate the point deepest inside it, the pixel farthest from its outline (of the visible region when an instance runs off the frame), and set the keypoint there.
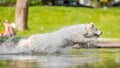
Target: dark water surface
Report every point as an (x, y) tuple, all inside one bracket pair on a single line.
[(78, 58)]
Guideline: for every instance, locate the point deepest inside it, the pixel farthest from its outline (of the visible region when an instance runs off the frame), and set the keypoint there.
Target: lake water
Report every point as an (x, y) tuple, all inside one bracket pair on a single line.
[(78, 58)]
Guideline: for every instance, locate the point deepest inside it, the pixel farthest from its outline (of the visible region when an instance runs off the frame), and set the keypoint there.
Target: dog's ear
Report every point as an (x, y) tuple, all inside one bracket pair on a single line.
[(88, 29), (90, 26)]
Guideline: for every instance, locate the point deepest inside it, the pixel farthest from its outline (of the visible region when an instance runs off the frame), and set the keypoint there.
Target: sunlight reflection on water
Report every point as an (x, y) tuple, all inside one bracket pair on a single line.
[(79, 58)]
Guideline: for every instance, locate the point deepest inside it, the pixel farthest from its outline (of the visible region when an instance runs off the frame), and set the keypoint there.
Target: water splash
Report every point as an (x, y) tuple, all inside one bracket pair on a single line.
[(6, 46), (10, 46)]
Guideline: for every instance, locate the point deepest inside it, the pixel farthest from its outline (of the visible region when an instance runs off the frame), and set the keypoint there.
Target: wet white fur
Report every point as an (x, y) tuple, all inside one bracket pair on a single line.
[(54, 41)]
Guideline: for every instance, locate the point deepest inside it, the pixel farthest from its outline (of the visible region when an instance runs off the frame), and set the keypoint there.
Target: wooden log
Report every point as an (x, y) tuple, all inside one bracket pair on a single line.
[(108, 44)]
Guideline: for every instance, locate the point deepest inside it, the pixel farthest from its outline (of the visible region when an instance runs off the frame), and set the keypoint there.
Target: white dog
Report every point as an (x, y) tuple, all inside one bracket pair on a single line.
[(54, 41)]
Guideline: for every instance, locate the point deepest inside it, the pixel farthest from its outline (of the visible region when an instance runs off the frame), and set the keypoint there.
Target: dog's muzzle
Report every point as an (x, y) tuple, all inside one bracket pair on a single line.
[(99, 34)]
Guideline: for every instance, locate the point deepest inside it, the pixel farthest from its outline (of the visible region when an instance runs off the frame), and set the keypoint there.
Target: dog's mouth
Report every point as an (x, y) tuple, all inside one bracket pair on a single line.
[(97, 35)]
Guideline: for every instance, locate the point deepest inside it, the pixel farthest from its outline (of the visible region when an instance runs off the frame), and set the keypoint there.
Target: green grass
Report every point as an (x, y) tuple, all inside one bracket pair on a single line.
[(43, 19)]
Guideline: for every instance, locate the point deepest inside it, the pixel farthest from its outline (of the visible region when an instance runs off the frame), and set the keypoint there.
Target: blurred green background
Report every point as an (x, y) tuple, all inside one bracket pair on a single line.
[(43, 19)]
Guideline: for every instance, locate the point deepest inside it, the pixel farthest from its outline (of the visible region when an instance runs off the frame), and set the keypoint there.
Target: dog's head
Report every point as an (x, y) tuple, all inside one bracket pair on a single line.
[(92, 31)]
